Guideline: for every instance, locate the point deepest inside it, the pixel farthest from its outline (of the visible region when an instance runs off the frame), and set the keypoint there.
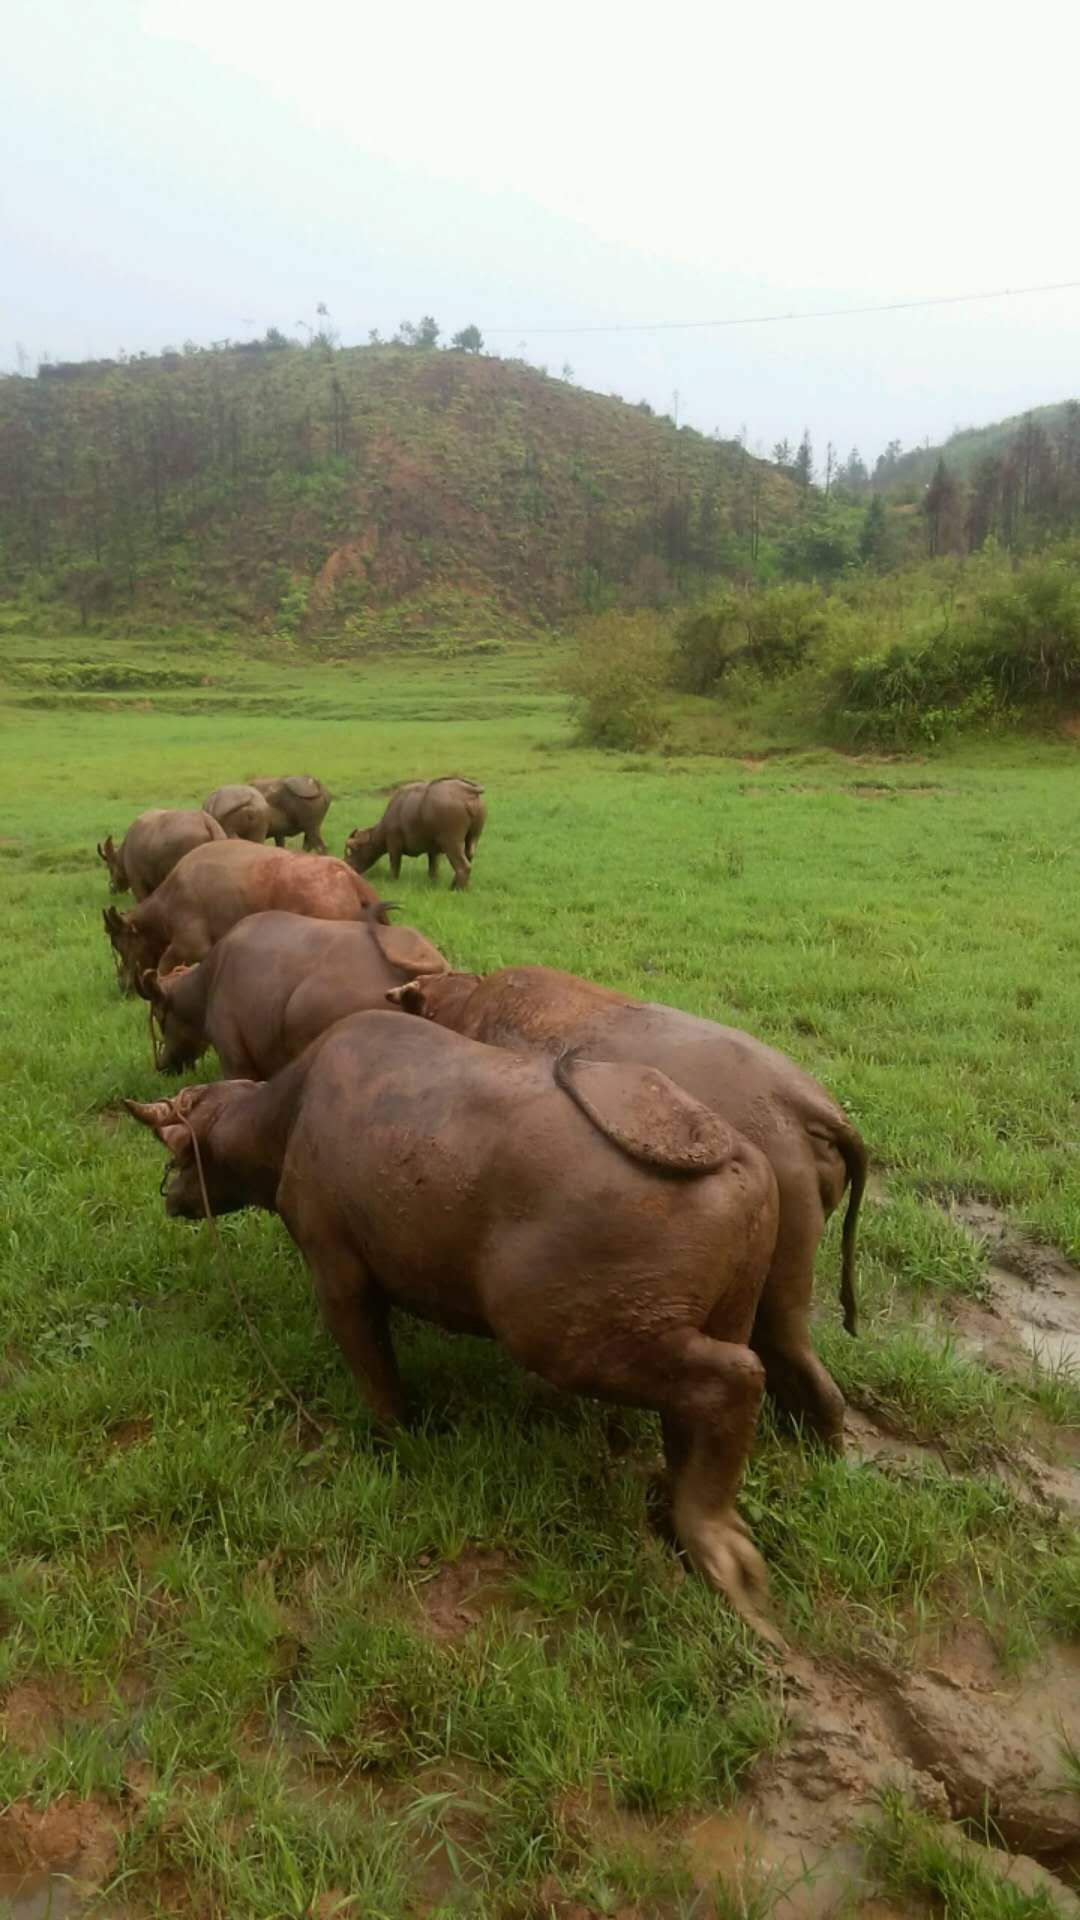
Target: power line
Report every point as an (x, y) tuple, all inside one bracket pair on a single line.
[(776, 319)]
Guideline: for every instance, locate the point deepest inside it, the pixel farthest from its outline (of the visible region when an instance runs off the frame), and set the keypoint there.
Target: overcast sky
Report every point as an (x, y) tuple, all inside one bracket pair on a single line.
[(207, 168)]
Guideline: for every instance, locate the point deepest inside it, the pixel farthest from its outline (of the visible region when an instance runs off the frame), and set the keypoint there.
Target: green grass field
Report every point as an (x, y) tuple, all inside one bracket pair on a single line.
[(462, 1675)]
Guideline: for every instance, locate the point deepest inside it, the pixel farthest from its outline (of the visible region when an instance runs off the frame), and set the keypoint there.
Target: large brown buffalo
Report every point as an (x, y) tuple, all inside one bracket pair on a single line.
[(611, 1232), (426, 816), (814, 1149), (275, 983), (215, 886), (243, 812), (298, 804), (153, 844)]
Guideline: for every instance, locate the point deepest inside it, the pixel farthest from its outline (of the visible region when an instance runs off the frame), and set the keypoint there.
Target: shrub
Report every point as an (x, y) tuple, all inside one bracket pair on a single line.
[(1026, 636), (823, 545), (708, 642), (616, 678), (1016, 647), (770, 632)]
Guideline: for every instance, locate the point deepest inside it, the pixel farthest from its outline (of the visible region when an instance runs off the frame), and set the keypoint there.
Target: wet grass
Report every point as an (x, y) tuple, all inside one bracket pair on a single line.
[(211, 1602)]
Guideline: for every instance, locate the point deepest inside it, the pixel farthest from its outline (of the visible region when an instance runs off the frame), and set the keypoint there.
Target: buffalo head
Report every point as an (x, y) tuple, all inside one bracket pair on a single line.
[(180, 1123), (125, 944), (118, 880), (436, 996), (359, 852), (180, 1041)]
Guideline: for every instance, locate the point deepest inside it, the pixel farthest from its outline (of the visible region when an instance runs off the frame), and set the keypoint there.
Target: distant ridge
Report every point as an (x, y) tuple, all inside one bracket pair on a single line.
[(304, 489)]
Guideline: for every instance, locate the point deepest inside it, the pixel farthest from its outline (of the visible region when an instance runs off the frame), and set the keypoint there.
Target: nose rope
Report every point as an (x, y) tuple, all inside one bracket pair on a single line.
[(256, 1337), (157, 1039)]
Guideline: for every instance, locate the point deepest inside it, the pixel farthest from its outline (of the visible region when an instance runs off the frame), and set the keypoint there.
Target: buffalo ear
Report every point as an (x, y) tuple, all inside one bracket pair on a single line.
[(410, 997), (101, 853)]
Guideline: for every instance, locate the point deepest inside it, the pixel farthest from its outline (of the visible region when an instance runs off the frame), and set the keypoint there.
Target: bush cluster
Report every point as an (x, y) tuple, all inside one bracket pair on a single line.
[(907, 660), (616, 680), (1014, 650), (772, 633)]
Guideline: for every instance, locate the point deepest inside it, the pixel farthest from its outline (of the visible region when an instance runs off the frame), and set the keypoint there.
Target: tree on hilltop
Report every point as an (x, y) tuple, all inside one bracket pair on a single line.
[(802, 467), (874, 534), (942, 507), (468, 340), (419, 333)]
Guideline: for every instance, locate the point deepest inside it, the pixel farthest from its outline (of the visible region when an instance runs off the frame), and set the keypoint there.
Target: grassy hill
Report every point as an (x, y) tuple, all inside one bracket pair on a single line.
[(963, 450), (310, 490)]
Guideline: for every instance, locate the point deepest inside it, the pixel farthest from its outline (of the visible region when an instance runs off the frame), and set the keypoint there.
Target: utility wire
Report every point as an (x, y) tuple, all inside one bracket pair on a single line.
[(774, 319)]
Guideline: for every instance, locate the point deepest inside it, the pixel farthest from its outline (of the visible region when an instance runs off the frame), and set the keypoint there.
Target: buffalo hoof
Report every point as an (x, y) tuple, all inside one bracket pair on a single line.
[(724, 1554)]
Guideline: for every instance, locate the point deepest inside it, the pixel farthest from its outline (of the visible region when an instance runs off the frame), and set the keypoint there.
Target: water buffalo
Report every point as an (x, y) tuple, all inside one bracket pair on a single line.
[(242, 811), (152, 845), (813, 1147), (215, 886), (426, 816), (298, 804), (275, 983), (611, 1232)]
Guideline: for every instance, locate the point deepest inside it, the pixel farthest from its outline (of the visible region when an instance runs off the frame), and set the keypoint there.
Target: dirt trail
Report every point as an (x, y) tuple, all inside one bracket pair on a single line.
[(958, 1740), (961, 1739), (1034, 1308)]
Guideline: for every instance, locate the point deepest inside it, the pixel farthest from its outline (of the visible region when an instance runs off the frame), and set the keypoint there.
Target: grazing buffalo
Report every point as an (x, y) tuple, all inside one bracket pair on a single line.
[(611, 1232), (152, 846), (212, 888), (427, 816), (813, 1147), (242, 811), (298, 804), (275, 983)]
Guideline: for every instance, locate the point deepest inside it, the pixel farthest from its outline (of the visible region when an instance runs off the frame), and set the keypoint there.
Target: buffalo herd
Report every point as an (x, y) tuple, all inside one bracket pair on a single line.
[(629, 1198)]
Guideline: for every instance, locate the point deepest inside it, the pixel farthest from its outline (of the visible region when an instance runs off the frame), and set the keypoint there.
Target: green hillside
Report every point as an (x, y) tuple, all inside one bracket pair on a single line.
[(311, 489), (909, 473)]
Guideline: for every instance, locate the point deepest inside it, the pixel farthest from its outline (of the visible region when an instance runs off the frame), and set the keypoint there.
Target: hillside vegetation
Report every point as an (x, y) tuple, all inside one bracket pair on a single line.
[(309, 489), (906, 474)]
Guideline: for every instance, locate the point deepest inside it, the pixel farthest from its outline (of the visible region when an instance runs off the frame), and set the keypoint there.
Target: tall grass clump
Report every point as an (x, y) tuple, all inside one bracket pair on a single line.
[(616, 678)]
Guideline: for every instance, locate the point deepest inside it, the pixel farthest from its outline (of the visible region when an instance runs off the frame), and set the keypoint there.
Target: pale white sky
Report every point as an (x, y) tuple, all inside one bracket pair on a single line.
[(207, 168)]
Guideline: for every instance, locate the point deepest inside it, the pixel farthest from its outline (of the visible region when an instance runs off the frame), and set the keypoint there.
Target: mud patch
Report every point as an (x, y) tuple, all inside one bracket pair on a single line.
[(129, 1433), (999, 1750), (1033, 1311), (52, 1858), (956, 1738), (456, 1596), (29, 1717), (870, 1436)]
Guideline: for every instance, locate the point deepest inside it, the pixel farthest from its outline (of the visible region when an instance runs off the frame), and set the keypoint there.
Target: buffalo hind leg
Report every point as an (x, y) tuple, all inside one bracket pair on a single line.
[(801, 1388), (455, 853), (355, 1311), (707, 1393), (708, 1426), (433, 865), (395, 847), (279, 839)]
